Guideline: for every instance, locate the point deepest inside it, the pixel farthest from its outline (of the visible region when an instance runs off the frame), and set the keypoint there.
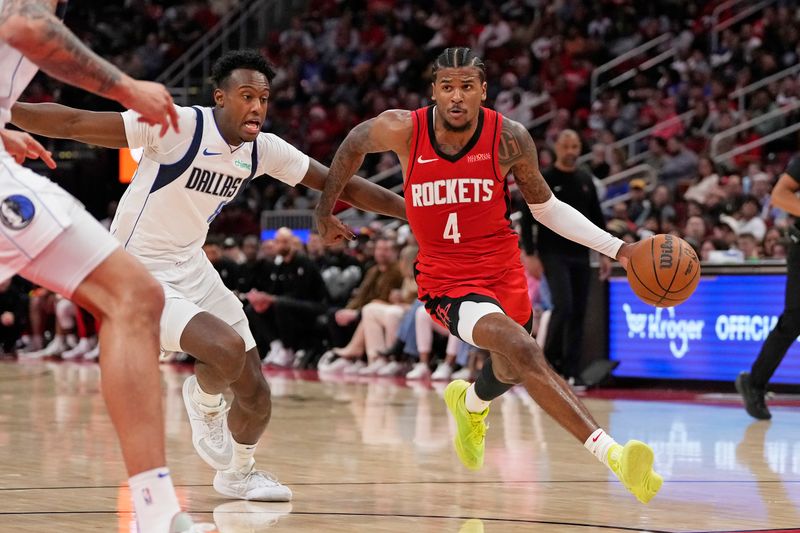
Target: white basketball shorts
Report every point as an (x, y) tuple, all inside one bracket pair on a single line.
[(45, 234), (193, 287)]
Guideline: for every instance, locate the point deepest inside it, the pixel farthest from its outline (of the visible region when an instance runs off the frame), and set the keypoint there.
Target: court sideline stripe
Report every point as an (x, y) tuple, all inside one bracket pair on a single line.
[(381, 515), (376, 483), (488, 519)]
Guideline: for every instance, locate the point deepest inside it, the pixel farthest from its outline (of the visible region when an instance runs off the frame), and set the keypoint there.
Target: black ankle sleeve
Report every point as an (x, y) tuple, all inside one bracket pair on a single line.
[(487, 386)]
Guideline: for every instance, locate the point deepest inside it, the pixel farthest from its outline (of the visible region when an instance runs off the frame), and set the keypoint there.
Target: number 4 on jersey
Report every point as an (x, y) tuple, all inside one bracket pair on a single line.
[(451, 229)]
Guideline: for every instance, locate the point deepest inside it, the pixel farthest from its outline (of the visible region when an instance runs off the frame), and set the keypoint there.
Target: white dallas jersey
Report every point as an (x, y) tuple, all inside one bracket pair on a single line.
[(184, 180)]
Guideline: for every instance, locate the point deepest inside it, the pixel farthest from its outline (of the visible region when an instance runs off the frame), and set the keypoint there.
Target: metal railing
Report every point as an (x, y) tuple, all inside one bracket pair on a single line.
[(645, 172), (741, 93), (783, 132), (630, 142), (619, 60), (779, 112), (541, 120), (718, 27), (248, 24)]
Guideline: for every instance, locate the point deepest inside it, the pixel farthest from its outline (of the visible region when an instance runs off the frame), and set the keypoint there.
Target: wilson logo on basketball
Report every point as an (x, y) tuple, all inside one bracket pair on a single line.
[(665, 261), (474, 158)]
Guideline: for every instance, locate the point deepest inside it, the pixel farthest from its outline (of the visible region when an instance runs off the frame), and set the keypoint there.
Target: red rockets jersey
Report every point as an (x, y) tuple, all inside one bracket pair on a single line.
[(458, 207)]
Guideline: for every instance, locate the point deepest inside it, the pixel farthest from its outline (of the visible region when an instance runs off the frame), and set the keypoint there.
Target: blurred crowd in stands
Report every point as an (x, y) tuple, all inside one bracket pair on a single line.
[(341, 62)]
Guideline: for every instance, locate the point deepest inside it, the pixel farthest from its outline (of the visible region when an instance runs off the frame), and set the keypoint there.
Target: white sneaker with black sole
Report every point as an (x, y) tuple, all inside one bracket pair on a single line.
[(210, 434)]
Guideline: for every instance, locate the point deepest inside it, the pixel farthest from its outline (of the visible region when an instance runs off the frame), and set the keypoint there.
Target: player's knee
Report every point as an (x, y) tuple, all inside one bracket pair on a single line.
[(505, 372), (151, 294), (526, 355), (138, 302), (232, 356)]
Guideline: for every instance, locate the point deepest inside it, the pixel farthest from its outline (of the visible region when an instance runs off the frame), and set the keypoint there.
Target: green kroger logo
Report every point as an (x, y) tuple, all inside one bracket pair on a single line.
[(242, 164)]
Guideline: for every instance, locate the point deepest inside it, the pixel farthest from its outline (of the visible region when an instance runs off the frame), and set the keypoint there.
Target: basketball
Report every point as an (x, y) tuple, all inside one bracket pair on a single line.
[(663, 271)]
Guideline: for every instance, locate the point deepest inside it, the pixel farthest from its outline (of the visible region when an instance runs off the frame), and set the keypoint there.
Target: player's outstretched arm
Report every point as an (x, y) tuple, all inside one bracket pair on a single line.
[(359, 192), (391, 130), (61, 122), (31, 27), (517, 152)]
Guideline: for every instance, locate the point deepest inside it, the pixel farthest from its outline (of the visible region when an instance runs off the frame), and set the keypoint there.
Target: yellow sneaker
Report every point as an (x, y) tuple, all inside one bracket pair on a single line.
[(469, 439), (633, 465), (473, 525)]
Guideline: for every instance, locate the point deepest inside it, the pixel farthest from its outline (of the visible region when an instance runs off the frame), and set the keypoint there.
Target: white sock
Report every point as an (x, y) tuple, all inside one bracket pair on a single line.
[(243, 456), (599, 443), (154, 499), (475, 404), (206, 400)]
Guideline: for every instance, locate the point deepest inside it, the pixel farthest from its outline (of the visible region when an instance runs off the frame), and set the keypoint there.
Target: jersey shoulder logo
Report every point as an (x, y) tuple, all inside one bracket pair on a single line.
[(17, 211), (423, 161), (207, 153)]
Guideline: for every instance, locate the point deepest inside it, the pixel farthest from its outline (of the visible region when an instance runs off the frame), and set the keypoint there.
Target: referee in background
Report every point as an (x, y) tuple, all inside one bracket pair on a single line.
[(752, 386), (566, 263)]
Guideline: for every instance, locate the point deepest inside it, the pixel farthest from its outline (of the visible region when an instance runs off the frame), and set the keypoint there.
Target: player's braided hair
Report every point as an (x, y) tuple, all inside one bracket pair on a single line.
[(459, 57), (247, 59)]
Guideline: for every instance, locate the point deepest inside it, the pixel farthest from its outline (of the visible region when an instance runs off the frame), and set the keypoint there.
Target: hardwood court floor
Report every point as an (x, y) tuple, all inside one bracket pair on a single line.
[(376, 456)]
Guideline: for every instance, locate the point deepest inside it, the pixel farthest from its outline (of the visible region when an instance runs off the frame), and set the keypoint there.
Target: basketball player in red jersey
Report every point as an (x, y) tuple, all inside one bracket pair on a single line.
[(455, 157)]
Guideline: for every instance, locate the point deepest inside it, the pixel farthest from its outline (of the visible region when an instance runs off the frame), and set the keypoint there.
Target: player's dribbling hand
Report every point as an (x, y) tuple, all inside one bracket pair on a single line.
[(154, 103), (624, 254), (333, 230), (22, 146)]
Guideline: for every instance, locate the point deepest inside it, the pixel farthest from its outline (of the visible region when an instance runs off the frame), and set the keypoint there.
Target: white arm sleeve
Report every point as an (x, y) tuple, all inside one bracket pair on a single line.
[(281, 160), (571, 224)]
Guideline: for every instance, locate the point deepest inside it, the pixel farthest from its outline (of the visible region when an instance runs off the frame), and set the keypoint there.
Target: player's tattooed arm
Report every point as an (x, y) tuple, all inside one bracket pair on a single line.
[(517, 152), (391, 130), (359, 192), (31, 27), (61, 122)]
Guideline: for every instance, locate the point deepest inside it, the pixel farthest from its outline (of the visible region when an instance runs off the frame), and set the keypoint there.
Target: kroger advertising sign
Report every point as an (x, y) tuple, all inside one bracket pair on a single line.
[(713, 336)]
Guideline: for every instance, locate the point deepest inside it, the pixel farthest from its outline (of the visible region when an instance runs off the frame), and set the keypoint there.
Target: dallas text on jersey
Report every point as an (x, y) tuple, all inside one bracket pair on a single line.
[(215, 183)]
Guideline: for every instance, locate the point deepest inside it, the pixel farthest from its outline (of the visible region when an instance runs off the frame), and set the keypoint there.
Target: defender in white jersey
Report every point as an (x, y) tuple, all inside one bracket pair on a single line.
[(49, 238), (182, 182)]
